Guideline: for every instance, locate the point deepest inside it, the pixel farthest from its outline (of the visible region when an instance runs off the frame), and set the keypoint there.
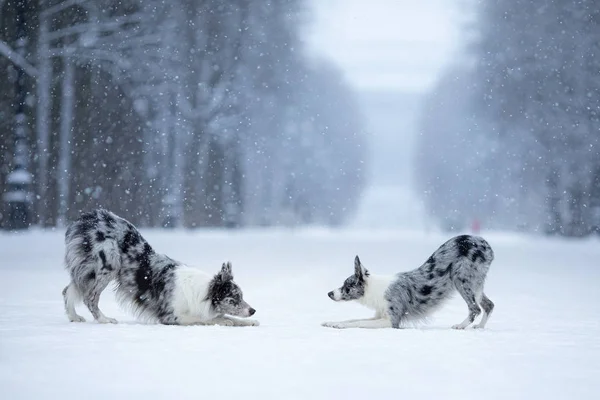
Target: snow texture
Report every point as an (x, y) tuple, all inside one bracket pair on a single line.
[(20, 177), (542, 340), (15, 196)]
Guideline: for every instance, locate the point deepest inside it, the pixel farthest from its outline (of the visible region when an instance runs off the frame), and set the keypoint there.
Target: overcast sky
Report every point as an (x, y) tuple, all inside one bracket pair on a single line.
[(386, 44)]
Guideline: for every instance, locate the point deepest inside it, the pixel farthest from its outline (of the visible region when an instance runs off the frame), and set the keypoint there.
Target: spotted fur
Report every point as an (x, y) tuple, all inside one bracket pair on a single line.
[(459, 265), (102, 247)]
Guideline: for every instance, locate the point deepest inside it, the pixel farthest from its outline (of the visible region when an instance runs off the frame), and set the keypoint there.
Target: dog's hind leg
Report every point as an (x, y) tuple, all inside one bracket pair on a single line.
[(71, 297), (463, 287), (488, 306), (91, 296)]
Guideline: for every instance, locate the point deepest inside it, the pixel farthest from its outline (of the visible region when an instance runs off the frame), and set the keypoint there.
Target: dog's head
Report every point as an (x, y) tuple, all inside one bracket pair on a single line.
[(354, 286), (227, 297)]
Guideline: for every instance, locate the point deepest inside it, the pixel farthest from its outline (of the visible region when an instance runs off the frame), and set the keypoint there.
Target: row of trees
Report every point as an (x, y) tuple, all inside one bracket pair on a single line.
[(181, 112), (511, 135)]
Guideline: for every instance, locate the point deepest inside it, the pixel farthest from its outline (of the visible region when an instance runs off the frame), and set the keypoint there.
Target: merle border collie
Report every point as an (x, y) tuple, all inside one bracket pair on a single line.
[(102, 247), (461, 264)]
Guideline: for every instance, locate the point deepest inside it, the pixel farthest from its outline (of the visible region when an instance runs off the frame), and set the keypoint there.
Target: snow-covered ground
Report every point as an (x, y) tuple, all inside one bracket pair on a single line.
[(543, 340)]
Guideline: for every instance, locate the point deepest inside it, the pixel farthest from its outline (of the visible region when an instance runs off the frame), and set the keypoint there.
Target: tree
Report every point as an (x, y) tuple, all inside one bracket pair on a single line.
[(535, 102), (184, 113)]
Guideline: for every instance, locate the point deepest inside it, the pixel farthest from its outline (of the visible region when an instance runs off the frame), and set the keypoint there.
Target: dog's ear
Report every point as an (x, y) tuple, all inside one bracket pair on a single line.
[(226, 274), (359, 270)]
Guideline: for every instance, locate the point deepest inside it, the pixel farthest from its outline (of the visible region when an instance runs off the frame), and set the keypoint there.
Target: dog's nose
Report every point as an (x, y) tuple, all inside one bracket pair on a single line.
[(330, 294), (251, 311)]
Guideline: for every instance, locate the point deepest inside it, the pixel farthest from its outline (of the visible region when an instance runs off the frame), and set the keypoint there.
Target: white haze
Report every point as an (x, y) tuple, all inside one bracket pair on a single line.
[(391, 52)]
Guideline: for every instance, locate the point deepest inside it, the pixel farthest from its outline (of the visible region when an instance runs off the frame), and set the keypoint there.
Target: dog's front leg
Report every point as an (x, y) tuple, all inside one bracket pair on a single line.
[(371, 323), (333, 324), (191, 320), (220, 320), (229, 321), (239, 321)]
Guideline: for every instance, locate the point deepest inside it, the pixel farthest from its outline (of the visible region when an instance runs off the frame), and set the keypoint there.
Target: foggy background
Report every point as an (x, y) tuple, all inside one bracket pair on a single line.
[(392, 52), (453, 115)]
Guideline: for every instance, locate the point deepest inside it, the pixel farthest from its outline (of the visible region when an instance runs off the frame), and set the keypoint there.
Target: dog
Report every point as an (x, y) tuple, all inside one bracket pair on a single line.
[(102, 247), (461, 264)]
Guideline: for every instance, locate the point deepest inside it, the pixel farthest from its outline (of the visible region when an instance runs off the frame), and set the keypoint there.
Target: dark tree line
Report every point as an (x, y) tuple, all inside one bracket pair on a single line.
[(511, 134), (181, 112)]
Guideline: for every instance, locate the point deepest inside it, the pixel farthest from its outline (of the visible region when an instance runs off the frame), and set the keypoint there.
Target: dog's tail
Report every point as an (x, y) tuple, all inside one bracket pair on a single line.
[(487, 251)]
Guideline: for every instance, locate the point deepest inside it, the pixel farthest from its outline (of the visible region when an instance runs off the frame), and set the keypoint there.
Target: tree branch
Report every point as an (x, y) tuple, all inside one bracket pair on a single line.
[(17, 59), (107, 26), (60, 7)]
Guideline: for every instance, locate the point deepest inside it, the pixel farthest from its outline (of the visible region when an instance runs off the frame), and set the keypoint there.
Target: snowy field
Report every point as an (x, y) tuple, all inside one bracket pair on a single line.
[(543, 340)]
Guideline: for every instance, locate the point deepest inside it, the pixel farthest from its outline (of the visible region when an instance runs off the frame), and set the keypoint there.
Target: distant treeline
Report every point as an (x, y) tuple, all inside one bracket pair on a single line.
[(511, 134), (175, 113)]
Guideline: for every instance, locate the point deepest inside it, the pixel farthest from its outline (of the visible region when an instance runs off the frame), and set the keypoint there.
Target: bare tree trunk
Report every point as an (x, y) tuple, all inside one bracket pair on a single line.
[(43, 115), (233, 191), (178, 163), (166, 120), (18, 180), (595, 200), (554, 217), (215, 174), (66, 126)]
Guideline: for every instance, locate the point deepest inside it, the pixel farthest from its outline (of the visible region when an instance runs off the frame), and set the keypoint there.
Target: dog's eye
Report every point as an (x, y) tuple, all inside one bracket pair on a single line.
[(347, 290)]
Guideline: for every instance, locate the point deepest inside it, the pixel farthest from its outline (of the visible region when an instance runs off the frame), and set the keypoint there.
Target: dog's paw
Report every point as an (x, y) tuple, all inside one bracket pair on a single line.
[(76, 318), (226, 322), (458, 327), (251, 322), (106, 320), (335, 325), (478, 326)]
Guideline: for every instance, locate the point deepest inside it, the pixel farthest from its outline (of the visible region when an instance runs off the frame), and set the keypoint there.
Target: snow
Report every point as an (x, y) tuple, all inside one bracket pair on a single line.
[(15, 196), (543, 340), (19, 176)]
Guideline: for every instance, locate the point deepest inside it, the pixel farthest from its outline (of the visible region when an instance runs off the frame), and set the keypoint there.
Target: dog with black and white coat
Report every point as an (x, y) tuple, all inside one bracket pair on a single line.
[(459, 265), (102, 247)]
